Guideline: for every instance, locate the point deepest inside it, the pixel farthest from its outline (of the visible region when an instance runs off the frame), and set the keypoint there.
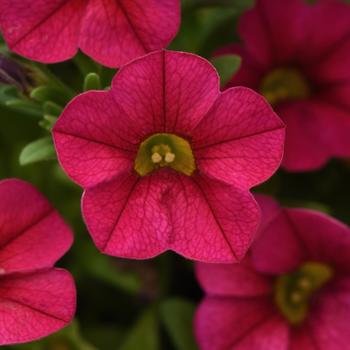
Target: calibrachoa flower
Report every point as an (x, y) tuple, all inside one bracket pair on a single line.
[(166, 160), (112, 32), (301, 66), (292, 291), (36, 299)]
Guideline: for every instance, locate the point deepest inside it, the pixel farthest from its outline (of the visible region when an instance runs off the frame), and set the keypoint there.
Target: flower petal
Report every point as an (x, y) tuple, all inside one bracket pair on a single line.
[(46, 31), (93, 139), (324, 238), (305, 147), (114, 32), (170, 91), (301, 338), (269, 209), (34, 305), (199, 218), (239, 324), (329, 322), (333, 68), (278, 249), (33, 235), (240, 140), (318, 47), (249, 72), (232, 279), (272, 29)]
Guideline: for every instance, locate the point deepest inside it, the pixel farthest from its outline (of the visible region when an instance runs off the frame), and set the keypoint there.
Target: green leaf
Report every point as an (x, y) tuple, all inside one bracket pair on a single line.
[(92, 82), (177, 316), (144, 335), (48, 93), (38, 150), (48, 122), (227, 66), (52, 108)]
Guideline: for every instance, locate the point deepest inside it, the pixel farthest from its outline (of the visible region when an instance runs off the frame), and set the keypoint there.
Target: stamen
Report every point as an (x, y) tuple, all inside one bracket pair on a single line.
[(296, 297), (304, 283), (169, 157), (156, 158), (164, 150)]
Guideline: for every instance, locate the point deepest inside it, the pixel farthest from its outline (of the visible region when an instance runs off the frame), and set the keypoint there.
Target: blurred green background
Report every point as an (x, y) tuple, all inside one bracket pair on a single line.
[(133, 305)]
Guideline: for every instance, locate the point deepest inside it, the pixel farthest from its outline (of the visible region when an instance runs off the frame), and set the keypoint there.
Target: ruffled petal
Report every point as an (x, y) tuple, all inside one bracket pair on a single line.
[(35, 305), (199, 218), (240, 140)]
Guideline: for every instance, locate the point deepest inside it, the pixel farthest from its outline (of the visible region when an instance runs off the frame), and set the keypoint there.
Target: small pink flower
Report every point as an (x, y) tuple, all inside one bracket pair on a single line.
[(36, 299), (292, 292), (112, 32), (301, 65), (166, 160)]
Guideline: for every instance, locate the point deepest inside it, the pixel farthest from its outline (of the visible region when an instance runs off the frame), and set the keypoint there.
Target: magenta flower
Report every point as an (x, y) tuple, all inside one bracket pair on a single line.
[(301, 66), (36, 299), (166, 160), (292, 292), (111, 32)]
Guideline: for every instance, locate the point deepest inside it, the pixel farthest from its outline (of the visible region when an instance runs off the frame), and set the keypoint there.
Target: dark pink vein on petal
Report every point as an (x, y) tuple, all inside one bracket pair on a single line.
[(237, 138), (121, 213), (44, 20), (34, 309), (94, 141), (216, 219), (136, 34), (30, 226)]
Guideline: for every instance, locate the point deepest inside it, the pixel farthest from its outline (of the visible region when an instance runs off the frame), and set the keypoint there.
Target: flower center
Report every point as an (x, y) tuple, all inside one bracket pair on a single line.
[(293, 292), (285, 84), (165, 150)]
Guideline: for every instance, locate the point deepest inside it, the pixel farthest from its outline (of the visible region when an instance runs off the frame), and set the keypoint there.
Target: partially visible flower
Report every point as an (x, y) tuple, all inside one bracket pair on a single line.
[(291, 292), (111, 32), (167, 161), (36, 299), (301, 65)]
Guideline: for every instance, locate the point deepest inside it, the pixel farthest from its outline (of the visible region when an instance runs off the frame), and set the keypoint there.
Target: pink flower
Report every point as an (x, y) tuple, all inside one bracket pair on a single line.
[(292, 292), (166, 160), (36, 299), (112, 32), (301, 65)]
